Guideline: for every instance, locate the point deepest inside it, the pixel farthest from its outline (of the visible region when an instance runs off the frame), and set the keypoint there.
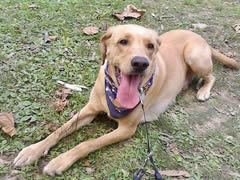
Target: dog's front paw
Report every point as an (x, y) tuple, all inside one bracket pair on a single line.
[(58, 165), (203, 95), (30, 154)]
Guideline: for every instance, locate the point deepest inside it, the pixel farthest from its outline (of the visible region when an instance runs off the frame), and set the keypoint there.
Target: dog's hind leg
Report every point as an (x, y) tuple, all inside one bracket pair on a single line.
[(198, 56), (35, 151)]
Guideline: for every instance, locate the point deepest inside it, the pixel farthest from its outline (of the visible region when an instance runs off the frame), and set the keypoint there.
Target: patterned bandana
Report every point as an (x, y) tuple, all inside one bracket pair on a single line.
[(111, 94)]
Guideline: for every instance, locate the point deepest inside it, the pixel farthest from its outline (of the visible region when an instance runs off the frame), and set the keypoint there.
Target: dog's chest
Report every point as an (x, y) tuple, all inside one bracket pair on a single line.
[(156, 108)]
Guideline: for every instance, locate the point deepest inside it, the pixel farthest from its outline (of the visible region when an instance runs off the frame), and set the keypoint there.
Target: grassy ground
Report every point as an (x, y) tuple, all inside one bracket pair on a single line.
[(203, 137)]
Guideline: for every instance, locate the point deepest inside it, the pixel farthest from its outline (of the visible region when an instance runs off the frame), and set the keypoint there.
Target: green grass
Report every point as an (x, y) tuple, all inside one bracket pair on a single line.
[(29, 69)]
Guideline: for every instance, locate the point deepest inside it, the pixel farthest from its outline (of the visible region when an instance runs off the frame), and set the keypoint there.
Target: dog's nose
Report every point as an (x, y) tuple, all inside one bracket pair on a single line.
[(139, 63)]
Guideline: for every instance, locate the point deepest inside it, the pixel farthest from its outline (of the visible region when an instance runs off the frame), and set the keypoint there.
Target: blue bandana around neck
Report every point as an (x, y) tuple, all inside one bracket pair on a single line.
[(111, 94)]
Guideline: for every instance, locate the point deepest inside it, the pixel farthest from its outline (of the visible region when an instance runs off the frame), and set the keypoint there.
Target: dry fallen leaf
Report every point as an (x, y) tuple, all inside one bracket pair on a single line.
[(51, 126), (173, 148), (86, 163), (61, 104), (172, 173), (175, 173), (130, 12), (7, 123), (91, 30), (236, 27), (66, 93), (52, 38), (48, 39), (63, 93), (62, 101)]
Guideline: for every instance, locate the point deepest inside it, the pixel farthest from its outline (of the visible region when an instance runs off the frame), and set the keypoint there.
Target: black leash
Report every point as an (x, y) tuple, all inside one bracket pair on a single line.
[(140, 172)]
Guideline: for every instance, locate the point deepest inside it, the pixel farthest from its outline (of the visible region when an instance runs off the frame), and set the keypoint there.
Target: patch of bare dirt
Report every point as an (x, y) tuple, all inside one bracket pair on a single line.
[(212, 123)]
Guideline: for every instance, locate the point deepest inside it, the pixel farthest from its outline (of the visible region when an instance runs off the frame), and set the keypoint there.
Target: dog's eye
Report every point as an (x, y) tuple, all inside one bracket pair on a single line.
[(123, 42), (150, 46)]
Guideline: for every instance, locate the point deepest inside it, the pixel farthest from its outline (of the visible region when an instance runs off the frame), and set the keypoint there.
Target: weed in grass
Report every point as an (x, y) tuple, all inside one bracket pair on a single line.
[(218, 5), (189, 2)]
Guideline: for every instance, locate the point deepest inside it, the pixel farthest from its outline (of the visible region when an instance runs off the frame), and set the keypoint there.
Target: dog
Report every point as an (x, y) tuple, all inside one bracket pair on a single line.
[(136, 61)]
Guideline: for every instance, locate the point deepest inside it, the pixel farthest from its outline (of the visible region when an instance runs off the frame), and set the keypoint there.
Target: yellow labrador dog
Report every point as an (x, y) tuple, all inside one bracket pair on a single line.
[(135, 61)]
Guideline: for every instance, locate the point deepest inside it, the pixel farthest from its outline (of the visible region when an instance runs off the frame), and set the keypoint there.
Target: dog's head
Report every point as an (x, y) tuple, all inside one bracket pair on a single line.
[(130, 51)]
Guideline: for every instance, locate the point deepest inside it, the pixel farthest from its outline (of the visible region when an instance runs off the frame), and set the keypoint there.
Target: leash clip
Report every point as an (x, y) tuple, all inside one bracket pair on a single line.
[(141, 95), (140, 172)]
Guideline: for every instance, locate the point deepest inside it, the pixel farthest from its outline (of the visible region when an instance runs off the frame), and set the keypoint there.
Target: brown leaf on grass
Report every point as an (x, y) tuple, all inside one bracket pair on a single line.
[(86, 163), (91, 30), (130, 12), (51, 126), (66, 93), (63, 93), (61, 104), (52, 38), (48, 39), (172, 173), (175, 173), (7, 123), (62, 101), (236, 28), (173, 148)]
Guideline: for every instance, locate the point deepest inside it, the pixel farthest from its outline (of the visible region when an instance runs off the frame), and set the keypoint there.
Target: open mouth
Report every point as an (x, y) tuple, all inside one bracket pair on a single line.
[(127, 94)]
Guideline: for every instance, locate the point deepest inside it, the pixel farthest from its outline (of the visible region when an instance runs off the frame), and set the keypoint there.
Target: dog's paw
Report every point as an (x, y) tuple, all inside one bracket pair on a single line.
[(58, 165), (29, 154), (203, 95)]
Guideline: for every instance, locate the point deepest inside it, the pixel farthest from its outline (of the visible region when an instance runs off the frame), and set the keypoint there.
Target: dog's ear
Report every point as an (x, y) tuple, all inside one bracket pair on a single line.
[(103, 43)]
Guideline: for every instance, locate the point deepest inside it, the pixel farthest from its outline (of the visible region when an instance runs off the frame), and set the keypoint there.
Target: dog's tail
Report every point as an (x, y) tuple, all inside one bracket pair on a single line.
[(224, 59)]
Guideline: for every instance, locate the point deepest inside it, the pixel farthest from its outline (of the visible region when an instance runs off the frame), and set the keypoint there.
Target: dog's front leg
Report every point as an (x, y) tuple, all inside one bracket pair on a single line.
[(35, 151), (65, 160)]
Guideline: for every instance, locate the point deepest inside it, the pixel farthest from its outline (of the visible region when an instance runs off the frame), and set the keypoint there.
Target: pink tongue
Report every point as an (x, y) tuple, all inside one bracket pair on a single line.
[(127, 94)]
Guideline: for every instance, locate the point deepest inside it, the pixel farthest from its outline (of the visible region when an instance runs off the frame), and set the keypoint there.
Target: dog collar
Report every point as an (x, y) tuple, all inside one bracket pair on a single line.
[(111, 94)]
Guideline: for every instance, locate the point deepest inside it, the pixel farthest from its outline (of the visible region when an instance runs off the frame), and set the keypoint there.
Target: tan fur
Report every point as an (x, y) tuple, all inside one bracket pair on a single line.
[(176, 57)]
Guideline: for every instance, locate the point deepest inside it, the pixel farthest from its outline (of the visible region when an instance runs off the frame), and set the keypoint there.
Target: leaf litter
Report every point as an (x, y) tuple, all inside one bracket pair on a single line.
[(61, 101), (48, 39), (51, 126), (86, 163), (7, 123), (91, 30), (130, 12), (64, 91), (172, 173), (236, 28)]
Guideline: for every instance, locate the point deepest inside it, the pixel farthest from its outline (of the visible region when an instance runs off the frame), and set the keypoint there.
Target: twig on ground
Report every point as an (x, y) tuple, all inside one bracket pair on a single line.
[(72, 86), (166, 135)]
